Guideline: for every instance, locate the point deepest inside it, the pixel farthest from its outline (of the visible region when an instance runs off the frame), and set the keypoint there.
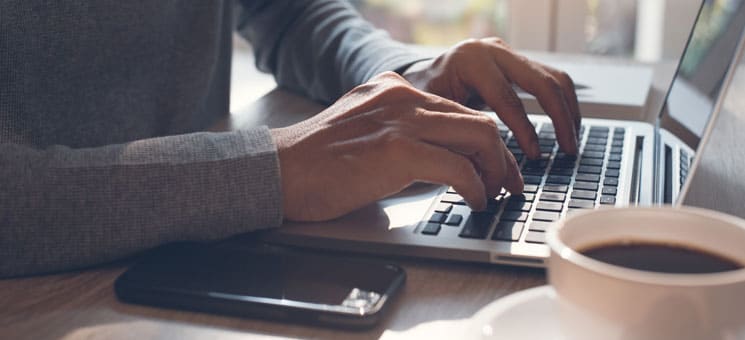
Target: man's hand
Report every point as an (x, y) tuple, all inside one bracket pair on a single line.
[(381, 137), (477, 72)]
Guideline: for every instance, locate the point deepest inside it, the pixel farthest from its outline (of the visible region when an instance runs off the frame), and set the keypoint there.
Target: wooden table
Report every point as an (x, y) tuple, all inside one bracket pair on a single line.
[(82, 305)]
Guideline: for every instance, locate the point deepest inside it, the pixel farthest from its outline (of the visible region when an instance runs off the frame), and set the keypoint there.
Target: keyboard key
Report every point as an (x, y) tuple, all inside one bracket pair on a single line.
[(612, 173), (586, 186), (559, 179), (615, 157), (546, 148), (593, 154), (453, 198), (547, 135), (546, 216), (591, 162), (598, 135), (610, 191), (616, 150), (564, 164), (549, 206), (617, 143), (581, 204), (513, 144), (607, 200), (535, 237), (539, 225), (596, 141), (599, 129), (613, 182), (555, 188), (560, 156), (619, 130), (546, 142), (443, 207), (531, 188), (533, 171), (588, 169), (438, 218), (585, 195), (613, 165), (562, 171), (477, 225), (518, 206), (553, 197), (536, 163), (431, 229), (454, 220), (532, 179), (508, 231), (547, 127), (518, 216), (492, 205), (587, 178), (516, 151), (525, 197), (594, 147)]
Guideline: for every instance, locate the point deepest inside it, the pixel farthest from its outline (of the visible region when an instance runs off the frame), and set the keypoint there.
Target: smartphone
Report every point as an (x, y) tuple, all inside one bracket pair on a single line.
[(262, 282)]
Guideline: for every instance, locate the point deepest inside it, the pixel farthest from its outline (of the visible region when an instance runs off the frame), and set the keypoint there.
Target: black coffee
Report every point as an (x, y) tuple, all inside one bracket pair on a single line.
[(659, 257)]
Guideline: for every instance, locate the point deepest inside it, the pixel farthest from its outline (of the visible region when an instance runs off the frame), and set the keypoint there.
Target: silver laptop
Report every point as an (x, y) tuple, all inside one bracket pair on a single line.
[(620, 163)]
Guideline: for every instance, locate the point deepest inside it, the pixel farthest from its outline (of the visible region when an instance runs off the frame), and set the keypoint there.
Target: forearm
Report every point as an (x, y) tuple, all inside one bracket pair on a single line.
[(65, 208), (320, 48)]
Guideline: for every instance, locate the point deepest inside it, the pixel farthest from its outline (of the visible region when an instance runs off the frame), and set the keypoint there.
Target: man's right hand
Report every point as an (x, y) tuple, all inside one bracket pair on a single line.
[(381, 137)]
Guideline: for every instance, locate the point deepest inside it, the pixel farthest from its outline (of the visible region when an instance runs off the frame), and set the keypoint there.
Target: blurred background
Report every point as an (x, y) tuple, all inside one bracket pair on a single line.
[(635, 29), (646, 31)]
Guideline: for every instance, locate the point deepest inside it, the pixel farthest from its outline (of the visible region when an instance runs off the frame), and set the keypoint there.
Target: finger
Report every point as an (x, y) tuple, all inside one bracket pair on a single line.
[(534, 79), (433, 164), (513, 181), (496, 90), (570, 94), (475, 136)]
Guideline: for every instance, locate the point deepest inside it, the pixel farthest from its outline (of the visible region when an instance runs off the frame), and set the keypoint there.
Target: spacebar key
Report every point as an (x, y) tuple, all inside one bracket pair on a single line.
[(477, 225)]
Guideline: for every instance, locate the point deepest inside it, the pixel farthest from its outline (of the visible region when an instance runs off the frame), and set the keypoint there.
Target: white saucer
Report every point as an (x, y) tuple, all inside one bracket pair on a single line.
[(528, 314)]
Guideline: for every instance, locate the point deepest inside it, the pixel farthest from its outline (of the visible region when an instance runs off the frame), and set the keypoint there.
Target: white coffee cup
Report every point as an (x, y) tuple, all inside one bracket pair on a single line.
[(598, 300)]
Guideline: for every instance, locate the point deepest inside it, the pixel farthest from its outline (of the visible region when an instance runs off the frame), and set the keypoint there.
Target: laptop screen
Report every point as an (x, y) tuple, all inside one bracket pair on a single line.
[(703, 68)]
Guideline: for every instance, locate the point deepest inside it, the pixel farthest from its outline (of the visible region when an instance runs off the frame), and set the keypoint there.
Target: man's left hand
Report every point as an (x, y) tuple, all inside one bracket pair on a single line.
[(477, 72)]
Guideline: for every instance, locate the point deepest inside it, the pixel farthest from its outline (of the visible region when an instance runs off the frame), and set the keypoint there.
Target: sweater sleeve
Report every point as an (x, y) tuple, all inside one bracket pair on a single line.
[(63, 208), (320, 48)]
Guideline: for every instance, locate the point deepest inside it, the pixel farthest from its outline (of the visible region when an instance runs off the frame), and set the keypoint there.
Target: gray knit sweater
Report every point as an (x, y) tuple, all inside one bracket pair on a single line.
[(102, 101)]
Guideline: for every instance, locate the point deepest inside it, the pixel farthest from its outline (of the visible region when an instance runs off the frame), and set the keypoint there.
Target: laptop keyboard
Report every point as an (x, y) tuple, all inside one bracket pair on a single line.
[(555, 184)]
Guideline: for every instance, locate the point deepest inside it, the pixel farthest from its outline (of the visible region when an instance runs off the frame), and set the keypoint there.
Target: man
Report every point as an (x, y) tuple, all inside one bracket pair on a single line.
[(102, 103)]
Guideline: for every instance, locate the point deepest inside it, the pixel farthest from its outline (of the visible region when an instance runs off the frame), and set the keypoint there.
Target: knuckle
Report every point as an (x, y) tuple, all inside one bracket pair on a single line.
[(565, 79), (497, 41), (470, 45), (400, 90), (389, 75), (488, 129)]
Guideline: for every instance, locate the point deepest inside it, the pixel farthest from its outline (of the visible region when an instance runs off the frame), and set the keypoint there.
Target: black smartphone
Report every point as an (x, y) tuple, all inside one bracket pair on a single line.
[(262, 282)]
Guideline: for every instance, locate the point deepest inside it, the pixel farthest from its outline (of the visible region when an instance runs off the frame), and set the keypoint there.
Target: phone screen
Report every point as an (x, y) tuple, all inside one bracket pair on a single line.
[(260, 277)]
